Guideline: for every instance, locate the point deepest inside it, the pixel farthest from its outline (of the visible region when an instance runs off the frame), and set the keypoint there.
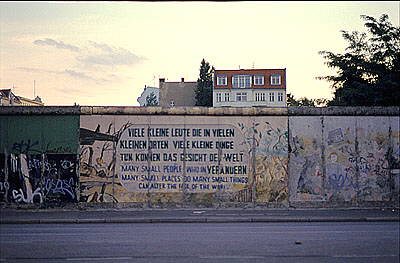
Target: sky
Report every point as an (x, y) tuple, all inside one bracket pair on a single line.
[(103, 53)]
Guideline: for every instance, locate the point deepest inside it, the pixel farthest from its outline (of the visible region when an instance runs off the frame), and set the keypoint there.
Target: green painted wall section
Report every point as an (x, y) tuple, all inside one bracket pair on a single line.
[(39, 134)]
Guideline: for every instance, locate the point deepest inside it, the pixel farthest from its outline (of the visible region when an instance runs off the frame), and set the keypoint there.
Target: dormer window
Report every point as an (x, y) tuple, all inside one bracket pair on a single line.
[(275, 79), (221, 80), (258, 80), (241, 81)]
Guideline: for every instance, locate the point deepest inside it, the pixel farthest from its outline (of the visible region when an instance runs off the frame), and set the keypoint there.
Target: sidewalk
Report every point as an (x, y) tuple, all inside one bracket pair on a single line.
[(229, 215)]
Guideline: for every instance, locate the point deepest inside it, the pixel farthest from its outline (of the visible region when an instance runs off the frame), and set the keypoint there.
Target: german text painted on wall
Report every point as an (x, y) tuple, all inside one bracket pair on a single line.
[(192, 158)]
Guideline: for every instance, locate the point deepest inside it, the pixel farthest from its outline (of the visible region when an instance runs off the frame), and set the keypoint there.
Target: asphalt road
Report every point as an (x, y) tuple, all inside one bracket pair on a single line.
[(220, 242)]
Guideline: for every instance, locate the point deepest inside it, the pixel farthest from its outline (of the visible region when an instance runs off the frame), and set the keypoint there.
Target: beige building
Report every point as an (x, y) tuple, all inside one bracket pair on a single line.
[(175, 94), (8, 98), (249, 88), (28, 102)]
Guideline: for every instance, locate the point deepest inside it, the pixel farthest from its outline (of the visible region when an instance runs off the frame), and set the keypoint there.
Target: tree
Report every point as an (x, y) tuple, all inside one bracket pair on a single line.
[(151, 100), (368, 73), (203, 93), (291, 101)]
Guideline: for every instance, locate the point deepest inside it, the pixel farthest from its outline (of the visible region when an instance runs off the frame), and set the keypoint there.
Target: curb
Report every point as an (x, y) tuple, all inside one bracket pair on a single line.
[(195, 220)]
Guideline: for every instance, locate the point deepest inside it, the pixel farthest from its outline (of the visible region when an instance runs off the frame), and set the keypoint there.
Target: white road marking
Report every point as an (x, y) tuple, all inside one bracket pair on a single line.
[(231, 257), (96, 259), (19, 242), (224, 214), (42, 234), (305, 256), (364, 256)]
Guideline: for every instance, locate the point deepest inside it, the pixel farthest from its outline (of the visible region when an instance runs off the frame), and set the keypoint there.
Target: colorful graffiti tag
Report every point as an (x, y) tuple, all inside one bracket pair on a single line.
[(38, 178)]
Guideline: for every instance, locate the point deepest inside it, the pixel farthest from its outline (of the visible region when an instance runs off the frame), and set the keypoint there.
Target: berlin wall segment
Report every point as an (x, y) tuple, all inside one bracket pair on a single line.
[(340, 162), (344, 159), (39, 159), (175, 159), (293, 156)]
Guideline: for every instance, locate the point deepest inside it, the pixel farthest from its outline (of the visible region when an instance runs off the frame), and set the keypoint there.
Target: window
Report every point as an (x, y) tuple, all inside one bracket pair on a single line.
[(271, 96), (241, 96), (280, 96), (276, 79), (258, 80), (227, 97), (221, 80), (241, 81), (219, 97), (172, 103), (260, 96)]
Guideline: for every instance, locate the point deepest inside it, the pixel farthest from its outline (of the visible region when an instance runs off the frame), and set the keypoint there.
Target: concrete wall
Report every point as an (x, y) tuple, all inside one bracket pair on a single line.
[(281, 156), (39, 158), (344, 159)]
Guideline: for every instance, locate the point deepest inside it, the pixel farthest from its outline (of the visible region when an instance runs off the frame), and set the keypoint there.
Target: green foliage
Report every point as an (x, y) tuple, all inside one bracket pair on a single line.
[(203, 93), (291, 101), (368, 74), (151, 100)]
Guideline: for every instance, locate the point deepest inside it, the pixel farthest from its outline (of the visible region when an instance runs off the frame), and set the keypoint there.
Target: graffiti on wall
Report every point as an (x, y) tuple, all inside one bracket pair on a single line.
[(269, 143), (306, 167), (357, 161), (378, 164), (174, 159), (38, 178), (342, 181), (362, 169), (98, 181)]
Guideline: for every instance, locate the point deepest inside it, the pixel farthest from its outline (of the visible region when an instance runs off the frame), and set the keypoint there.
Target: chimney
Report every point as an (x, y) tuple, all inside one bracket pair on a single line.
[(182, 80), (161, 81)]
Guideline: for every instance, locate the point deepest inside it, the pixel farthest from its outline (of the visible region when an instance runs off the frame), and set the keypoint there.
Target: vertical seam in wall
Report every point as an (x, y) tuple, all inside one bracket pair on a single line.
[(43, 156), (357, 150), (391, 145), (78, 163), (323, 161), (253, 156), (115, 145), (288, 159)]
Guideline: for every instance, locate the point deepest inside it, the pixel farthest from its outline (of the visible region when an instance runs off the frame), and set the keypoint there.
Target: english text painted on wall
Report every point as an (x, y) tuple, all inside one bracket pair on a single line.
[(192, 158)]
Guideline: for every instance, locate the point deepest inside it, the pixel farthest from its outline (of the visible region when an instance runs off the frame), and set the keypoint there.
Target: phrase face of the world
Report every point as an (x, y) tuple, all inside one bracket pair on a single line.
[(193, 158)]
